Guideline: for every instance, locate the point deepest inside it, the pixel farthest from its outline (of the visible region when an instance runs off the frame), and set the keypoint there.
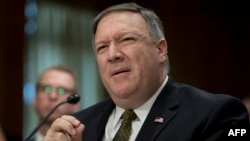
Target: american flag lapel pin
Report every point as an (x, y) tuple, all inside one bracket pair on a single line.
[(159, 120)]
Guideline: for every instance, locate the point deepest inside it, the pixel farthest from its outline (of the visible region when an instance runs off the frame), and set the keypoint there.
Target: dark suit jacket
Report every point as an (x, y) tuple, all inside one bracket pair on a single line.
[(189, 114)]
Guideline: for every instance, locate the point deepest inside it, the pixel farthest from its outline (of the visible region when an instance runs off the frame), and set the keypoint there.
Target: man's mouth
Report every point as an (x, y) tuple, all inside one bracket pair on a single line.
[(119, 71)]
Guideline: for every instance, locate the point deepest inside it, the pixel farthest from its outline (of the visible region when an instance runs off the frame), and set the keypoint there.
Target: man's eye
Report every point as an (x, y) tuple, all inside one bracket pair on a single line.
[(100, 48), (61, 91), (47, 89), (127, 40)]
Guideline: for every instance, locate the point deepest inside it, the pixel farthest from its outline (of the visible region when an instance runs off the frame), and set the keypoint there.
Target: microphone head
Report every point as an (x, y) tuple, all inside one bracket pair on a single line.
[(73, 99)]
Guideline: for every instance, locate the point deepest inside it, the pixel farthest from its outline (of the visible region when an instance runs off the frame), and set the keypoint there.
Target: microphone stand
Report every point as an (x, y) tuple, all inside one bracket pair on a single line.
[(42, 122), (72, 99)]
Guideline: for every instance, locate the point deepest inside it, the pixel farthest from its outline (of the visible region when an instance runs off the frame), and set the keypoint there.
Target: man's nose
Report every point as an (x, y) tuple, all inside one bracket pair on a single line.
[(53, 94), (115, 54)]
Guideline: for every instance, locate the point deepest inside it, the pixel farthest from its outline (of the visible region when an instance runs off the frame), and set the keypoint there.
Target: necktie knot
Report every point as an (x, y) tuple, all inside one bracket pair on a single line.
[(128, 115)]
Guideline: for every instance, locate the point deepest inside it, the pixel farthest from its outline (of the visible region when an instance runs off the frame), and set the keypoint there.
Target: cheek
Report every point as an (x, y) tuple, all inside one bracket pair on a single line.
[(38, 101), (41, 104), (101, 63), (102, 67), (145, 66), (142, 62), (64, 108)]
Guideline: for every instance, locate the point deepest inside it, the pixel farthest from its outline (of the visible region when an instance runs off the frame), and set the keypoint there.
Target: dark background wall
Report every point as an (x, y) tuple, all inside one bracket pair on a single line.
[(208, 44), (11, 66)]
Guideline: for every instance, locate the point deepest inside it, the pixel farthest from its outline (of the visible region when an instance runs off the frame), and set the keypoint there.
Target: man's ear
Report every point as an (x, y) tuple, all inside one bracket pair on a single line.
[(162, 49)]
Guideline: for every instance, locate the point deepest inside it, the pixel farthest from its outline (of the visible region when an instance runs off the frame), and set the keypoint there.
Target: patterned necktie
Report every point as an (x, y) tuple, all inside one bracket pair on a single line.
[(125, 129)]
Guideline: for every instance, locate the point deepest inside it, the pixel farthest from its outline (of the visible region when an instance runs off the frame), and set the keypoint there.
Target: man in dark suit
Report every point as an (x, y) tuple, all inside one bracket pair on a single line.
[(146, 104)]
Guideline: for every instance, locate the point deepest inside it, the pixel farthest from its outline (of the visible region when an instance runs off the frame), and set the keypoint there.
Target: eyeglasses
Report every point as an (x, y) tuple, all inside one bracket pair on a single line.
[(59, 90)]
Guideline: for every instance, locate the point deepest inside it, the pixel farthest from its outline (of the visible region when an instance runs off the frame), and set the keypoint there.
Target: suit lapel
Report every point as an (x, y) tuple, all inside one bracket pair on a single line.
[(160, 114), (104, 115)]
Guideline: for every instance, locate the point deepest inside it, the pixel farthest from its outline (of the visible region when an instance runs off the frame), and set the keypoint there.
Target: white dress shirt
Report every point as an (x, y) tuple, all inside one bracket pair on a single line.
[(114, 121), (38, 137)]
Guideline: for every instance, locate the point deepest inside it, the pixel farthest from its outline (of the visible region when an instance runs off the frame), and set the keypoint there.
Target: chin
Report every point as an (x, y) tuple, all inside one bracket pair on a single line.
[(122, 96), (121, 93)]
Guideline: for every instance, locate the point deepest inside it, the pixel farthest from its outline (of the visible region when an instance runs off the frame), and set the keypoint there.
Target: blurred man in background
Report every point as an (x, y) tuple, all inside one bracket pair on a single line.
[(54, 85)]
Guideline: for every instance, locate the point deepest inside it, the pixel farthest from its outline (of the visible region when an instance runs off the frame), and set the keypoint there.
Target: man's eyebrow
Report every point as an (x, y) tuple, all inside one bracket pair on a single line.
[(100, 42), (130, 33), (120, 35)]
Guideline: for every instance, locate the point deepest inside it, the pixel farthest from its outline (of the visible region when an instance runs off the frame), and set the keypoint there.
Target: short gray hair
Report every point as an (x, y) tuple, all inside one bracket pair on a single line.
[(153, 22)]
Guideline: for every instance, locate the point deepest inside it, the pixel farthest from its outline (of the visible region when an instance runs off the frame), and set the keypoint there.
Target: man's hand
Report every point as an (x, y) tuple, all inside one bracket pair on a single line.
[(66, 128)]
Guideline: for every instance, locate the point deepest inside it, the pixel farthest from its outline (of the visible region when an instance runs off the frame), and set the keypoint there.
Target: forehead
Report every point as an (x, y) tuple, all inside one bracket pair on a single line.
[(57, 77)]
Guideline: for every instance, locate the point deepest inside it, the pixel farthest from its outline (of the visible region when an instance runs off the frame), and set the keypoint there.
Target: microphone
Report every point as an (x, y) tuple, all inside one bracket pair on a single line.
[(72, 99)]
